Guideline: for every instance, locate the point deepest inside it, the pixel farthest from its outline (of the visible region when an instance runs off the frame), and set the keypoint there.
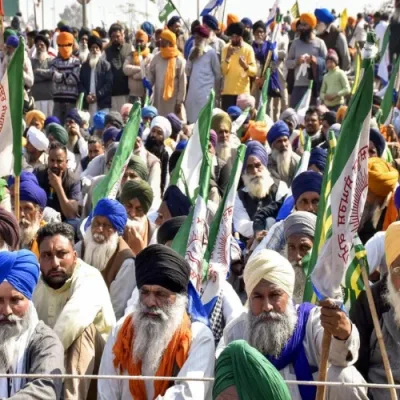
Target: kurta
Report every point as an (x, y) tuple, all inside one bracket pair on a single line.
[(158, 67), (204, 74), (83, 300), (200, 363)]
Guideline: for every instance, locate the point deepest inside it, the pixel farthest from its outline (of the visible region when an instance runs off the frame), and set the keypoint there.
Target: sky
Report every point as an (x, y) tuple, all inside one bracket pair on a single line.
[(111, 10)]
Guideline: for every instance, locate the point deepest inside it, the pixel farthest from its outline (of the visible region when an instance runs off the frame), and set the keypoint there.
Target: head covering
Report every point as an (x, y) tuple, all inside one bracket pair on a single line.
[(318, 157), (278, 129), (378, 140), (245, 100), (148, 28), (234, 112), (324, 15), (9, 229), (271, 266), (114, 211), (114, 118), (110, 134), (21, 270), (300, 222), (58, 132), (210, 21), (169, 36), (99, 119), (95, 40), (12, 41), (140, 190), (126, 108), (37, 139), (257, 131), (173, 20), (340, 113), (258, 380), (149, 112), (231, 19), (176, 123), (139, 166), (308, 181), (177, 203), (32, 192), (110, 152), (83, 32), (392, 249), (382, 177), (213, 138), (397, 198), (42, 38), (256, 149), (336, 129), (142, 35), (247, 22), (220, 119), (237, 28), (65, 38), (169, 229), (329, 117), (35, 115), (202, 31), (25, 176), (74, 115), (162, 266), (309, 19), (163, 124), (9, 32), (333, 56), (291, 115), (51, 119)]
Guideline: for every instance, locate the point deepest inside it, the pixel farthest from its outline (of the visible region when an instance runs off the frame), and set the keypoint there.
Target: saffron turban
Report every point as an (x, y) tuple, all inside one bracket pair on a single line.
[(140, 190), (169, 36), (114, 118), (51, 119), (378, 140), (65, 38), (168, 230), (244, 101), (142, 35), (392, 250), (210, 21), (32, 192), (256, 131), (177, 203), (300, 222), (324, 15), (318, 157), (255, 149), (270, 266), (21, 270), (99, 120), (58, 132), (35, 115), (308, 181), (162, 266), (309, 19), (231, 19), (114, 211), (221, 119), (290, 115), (382, 177), (259, 379), (110, 134), (341, 113), (149, 112), (138, 165), (9, 229), (163, 124), (278, 129), (37, 139)]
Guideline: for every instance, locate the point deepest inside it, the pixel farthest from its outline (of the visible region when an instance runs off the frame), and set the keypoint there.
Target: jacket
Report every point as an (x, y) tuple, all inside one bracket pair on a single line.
[(42, 88), (116, 57)]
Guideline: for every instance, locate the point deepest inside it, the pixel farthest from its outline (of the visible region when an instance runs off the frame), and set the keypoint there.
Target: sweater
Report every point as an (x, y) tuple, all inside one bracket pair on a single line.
[(335, 82)]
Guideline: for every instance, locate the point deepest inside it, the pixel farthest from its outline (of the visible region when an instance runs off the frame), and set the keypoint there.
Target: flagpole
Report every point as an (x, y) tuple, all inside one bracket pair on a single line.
[(176, 9), (17, 197), (223, 13), (323, 366)]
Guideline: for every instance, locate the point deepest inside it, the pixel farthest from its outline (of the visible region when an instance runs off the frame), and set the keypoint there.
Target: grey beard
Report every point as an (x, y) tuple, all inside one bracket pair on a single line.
[(41, 55), (93, 60), (283, 161), (270, 332), (28, 233), (138, 224), (224, 151), (83, 53), (371, 212), (258, 187)]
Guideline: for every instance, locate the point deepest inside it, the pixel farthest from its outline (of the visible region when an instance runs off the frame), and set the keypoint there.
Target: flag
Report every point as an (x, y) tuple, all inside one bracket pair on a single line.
[(384, 57), (357, 71), (387, 102), (343, 19), (166, 11), (11, 106), (272, 14), (264, 97), (304, 104), (210, 6), (237, 124), (295, 10), (79, 102), (110, 184)]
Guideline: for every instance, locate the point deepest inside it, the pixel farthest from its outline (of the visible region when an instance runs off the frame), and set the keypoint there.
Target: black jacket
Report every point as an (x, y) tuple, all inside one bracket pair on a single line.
[(104, 82), (116, 57)]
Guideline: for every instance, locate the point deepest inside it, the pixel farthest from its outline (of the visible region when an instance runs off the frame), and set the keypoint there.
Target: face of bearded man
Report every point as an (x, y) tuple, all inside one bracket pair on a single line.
[(283, 161), (98, 250), (28, 230), (198, 49), (393, 298), (155, 145), (94, 59), (224, 150), (300, 278), (258, 186), (154, 332), (83, 52), (372, 212)]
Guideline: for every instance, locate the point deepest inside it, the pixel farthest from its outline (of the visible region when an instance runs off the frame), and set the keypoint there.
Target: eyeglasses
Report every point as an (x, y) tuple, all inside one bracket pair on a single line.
[(256, 165)]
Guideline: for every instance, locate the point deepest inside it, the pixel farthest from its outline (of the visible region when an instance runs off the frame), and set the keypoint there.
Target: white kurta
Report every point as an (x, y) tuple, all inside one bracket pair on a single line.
[(200, 363)]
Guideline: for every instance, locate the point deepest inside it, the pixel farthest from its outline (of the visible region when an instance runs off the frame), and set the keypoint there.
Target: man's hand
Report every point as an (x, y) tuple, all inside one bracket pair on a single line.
[(334, 320), (74, 130), (301, 60), (55, 181), (260, 235), (134, 240), (243, 63), (229, 52)]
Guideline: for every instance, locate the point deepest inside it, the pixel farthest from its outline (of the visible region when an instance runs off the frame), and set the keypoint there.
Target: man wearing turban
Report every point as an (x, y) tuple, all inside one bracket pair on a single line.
[(289, 117), (168, 77), (27, 345), (35, 118), (9, 231), (221, 124), (35, 154), (135, 170), (377, 143), (214, 41), (318, 160), (158, 337), (290, 335), (104, 248), (71, 297)]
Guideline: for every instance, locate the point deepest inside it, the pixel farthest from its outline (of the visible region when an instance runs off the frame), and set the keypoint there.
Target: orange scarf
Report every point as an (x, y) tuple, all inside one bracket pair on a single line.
[(176, 352), (170, 54), (34, 244), (391, 213), (144, 54)]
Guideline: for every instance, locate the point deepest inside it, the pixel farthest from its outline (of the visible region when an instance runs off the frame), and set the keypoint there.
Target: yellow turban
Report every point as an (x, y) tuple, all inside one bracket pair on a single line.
[(382, 177), (392, 250), (271, 266), (231, 19), (166, 34), (142, 35), (219, 120), (95, 33), (35, 115), (309, 19)]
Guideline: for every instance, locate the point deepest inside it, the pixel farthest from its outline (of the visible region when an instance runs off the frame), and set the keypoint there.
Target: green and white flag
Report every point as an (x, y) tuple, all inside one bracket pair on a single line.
[(387, 102), (108, 187), (166, 11), (304, 104), (11, 112)]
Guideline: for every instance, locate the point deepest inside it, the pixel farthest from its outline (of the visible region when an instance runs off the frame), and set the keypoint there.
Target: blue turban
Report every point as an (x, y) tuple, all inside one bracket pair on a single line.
[(318, 157), (50, 120), (25, 176), (173, 20), (99, 120), (148, 28), (32, 192), (12, 41), (324, 15), (309, 181), (178, 204), (149, 112), (176, 123), (247, 22), (210, 21), (378, 140), (256, 149), (21, 270), (181, 145), (278, 129), (114, 211), (111, 134), (74, 115), (234, 112), (397, 197)]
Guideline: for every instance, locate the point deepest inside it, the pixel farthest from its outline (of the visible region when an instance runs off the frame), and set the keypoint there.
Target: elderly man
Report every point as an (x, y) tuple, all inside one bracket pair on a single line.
[(282, 162), (35, 149), (260, 189), (214, 41), (204, 73), (221, 124), (84, 48), (72, 299), (290, 336), (9, 231), (158, 338), (28, 346), (167, 74)]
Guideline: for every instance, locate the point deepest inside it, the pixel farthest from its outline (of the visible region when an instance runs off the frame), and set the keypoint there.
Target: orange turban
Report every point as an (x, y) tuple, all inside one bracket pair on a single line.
[(166, 34), (95, 33), (309, 19), (35, 115), (231, 19), (382, 177), (351, 21), (221, 27), (142, 35), (341, 113), (65, 38), (257, 130)]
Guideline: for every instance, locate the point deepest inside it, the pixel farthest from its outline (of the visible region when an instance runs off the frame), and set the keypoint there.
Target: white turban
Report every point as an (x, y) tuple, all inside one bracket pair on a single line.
[(271, 266), (85, 117), (37, 139), (163, 124)]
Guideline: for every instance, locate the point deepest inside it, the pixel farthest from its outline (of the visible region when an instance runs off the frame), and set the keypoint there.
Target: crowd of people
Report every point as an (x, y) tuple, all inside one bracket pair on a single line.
[(93, 287)]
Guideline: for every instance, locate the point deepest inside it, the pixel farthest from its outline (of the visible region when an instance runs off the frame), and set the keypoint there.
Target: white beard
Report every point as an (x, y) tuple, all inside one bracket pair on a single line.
[(83, 52), (396, 15), (98, 255), (283, 161), (258, 186), (41, 56), (93, 60), (28, 233), (393, 299), (223, 151), (138, 224), (270, 332), (152, 335)]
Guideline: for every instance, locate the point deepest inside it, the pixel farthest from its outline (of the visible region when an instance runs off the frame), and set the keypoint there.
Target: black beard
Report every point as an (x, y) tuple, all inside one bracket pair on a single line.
[(305, 35), (154, 146)]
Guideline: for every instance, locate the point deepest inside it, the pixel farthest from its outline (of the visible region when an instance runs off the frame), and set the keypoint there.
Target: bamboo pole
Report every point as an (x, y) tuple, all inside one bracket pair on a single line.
[(323, 366), (17, 197)]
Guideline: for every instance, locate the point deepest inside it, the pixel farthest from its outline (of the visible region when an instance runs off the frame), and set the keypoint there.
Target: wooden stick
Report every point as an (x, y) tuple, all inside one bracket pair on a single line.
[(16, 197), (179, 13), (378, 330), (323, 365)]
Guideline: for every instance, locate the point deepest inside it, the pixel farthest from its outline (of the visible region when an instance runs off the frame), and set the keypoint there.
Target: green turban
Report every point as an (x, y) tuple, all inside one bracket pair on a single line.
[(140, 190), (58, 132), (254, 377), (137, 164), (9, 32)]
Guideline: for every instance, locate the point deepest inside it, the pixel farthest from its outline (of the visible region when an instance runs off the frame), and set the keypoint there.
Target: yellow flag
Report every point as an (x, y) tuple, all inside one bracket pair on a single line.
[(295, 10), (343, 20)]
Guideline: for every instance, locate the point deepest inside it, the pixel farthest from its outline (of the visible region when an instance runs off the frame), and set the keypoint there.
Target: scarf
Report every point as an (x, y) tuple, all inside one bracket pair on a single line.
[(260, 51), (144, 53), (176, 353), (170, 54), (294, 353)]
